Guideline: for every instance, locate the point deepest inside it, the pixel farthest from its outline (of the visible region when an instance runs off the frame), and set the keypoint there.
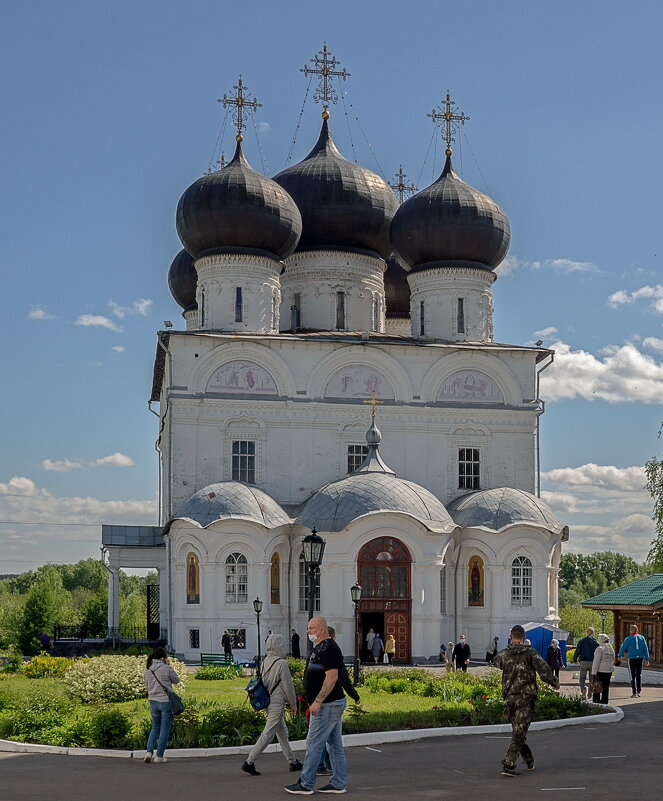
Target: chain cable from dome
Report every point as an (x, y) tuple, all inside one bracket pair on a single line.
[(299, 122), (218, 146), (477, 163), (263, 160), (363, 132), (423, 165), (347, 122)]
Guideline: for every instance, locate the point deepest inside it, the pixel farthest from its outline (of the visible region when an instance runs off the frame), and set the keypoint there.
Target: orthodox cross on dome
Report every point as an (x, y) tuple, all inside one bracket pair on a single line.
[(450, 121), (400, 187), (324, 67), (243, 106), (374, 402)]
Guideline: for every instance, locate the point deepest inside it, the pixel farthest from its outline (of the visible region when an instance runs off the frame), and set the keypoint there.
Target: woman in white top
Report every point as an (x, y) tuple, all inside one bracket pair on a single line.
[(159, 677), (602, 668)]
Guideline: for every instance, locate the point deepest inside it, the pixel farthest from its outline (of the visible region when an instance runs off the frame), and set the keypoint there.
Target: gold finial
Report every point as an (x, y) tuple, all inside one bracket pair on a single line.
[(450, 121), (242, 104), (400, 187), (324, 67), (374, 402)]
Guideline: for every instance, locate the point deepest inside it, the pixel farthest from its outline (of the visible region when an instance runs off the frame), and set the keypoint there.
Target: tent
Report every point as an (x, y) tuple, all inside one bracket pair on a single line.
[(541, 634)]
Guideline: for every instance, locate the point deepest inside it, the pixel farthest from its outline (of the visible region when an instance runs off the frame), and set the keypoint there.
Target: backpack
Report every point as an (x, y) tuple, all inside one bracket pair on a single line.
[(259, 697)]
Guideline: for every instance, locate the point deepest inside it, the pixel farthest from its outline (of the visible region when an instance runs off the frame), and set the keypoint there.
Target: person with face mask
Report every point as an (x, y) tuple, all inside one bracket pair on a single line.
[(461, 654), (324, 691)]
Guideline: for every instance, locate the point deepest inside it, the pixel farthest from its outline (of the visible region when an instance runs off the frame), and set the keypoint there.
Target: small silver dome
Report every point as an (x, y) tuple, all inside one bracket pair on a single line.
[(335, 506), (496, 509), (230, 499)]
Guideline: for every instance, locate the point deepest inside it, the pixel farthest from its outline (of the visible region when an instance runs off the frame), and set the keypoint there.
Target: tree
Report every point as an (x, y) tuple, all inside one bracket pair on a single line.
[(598, 572), (654, 485), (45, 605), (576, 621)]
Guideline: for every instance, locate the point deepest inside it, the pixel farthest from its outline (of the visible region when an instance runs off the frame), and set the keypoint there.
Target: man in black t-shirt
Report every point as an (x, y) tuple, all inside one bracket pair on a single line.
[(322, 685)]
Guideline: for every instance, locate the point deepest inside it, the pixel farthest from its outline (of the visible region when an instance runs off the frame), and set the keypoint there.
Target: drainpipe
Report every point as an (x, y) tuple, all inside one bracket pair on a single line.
[(290, 580), (456, 593), (538, 418)]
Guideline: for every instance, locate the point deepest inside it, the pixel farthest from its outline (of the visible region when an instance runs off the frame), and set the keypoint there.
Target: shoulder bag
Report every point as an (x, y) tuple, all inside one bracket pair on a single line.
[(176, 705), (259, 696)]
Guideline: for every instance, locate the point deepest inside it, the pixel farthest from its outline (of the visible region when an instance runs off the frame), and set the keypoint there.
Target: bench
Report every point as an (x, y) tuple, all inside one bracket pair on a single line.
[(216, 659)]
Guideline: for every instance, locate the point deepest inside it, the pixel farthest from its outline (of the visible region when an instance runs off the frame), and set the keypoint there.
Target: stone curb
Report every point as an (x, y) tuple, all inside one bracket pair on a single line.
[(349, 740)]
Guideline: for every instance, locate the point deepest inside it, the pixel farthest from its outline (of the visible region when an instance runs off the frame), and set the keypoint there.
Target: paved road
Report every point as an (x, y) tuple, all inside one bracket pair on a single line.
[(590, 763)]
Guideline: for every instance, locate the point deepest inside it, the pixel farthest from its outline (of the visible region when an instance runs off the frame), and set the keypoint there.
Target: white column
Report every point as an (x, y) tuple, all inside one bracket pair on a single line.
[(114, 600)]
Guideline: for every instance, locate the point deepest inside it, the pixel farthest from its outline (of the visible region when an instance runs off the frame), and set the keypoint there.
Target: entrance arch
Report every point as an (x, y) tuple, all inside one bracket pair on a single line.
[(384, 567)]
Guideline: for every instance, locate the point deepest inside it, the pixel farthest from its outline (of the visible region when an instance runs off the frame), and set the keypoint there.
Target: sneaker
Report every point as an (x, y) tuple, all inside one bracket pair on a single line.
[(323, 772), (158, 759), (507, 771), (634, 695), (149, 756), (250, 768), (297, 789), (530, 764), (329, 788), (296, 765), (638, 695)]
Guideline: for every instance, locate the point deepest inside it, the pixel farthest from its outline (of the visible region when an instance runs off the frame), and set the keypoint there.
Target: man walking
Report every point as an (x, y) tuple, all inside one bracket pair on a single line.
[(635, 647), (519, 664), (322, 685), (585, 656), (461, 654), (226, 643)]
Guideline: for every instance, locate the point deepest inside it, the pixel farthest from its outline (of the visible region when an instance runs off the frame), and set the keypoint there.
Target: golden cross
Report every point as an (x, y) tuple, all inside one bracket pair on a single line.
[(324, 67), (400, 187), (374, 402), (242, 104), (451, 121)]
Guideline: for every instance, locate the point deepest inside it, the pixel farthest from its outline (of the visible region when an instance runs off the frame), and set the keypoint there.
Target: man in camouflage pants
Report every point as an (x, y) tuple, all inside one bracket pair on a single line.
[(519, 664)]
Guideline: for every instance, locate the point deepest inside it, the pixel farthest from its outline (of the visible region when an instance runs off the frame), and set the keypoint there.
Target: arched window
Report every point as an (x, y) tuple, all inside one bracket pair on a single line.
[(237, 571), (521, 581), (475, 589), (384, 569), (303, 586), (192, 579), (275, 579)]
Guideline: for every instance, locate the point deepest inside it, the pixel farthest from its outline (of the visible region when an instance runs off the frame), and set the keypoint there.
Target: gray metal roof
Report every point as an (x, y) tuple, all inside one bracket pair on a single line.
[(230, 499), (132, 536), (495, 509), (335, 506)]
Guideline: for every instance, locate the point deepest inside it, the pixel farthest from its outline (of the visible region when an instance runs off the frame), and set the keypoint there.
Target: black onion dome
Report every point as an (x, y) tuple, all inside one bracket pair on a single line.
[(237, 208), (450, 222), (396, 289), (342, 204), (182, 280)]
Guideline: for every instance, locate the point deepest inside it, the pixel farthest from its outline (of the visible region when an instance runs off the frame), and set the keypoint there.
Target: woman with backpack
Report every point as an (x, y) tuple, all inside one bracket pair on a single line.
[(278, 682)]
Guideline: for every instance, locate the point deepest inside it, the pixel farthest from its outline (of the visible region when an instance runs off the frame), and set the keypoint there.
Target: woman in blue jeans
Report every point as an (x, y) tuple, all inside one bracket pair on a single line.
[(159, 677)]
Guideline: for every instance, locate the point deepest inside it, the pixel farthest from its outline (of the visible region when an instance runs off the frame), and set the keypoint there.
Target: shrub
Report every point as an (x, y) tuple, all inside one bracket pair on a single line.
[(44, 665), (113, 678), (32, 718), (109, 728), (13, 664), (218, 672)]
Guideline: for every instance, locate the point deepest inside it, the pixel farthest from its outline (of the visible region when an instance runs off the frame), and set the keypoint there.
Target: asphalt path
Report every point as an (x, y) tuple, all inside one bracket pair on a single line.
[(589, 762)]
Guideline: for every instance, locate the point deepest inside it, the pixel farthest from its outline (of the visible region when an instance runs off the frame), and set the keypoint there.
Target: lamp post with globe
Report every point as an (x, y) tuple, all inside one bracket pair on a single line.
[(355, 594), (257, 608), (314, 550)]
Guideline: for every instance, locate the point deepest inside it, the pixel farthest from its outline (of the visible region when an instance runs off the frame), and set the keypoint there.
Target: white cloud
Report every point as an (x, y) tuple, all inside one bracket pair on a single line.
[(631, 535), (118, 348), (652, 293), (97, 321), (546, 332), (61, 466), (512, 263), (118, 311), (621, 479), (264, 127), (653, 342), (142, 306), (116, 459), (37, 313), (624, 374)]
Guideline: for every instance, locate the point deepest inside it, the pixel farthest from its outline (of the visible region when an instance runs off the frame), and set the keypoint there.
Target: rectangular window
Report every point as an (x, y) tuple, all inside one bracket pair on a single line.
[(443, 591), (244, 461), (521, 581), (202, 308), (340, 311), (194, 638), (468, 468), (298, 309), (374, 321), (460, 317), (356, 455), (422, 318), (273, 312), (303, 587), (238, 305)]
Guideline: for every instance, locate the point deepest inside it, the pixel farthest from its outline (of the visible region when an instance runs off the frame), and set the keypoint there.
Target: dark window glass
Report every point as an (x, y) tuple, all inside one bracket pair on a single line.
[(238, 304), (461, 316), (469, 468), (340, 311)]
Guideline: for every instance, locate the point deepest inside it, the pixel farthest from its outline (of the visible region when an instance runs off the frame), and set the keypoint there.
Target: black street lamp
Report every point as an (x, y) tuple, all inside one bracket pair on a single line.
[(314, 550), (257, 608), (355, 593)]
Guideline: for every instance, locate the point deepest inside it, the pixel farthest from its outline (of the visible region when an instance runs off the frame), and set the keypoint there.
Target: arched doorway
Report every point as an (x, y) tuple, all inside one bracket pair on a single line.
[(384, 568)]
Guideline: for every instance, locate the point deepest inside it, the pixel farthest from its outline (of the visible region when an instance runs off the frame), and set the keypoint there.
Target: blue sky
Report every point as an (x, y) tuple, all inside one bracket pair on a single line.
[(110, 112)]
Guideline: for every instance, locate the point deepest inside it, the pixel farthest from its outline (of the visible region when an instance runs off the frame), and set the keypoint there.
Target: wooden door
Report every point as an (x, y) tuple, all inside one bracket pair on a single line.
[(398, 625)]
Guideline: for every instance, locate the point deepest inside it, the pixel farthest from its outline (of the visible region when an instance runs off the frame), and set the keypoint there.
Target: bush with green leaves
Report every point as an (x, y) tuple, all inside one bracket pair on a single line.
[(31, 718), (109, 728), (113, 678), (218, 672), (44, 665)]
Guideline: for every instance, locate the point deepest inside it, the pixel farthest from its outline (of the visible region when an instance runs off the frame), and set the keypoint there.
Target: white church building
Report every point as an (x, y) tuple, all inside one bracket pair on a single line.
[(304, 296)]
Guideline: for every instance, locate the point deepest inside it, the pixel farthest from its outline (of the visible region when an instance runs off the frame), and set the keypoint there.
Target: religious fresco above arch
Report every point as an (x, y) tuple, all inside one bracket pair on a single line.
[(243, 378), (470, 386), (358, 381)]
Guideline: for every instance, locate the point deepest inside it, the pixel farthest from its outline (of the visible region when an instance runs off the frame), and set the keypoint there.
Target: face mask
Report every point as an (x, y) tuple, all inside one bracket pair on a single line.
[(462, 639), (313, 638)]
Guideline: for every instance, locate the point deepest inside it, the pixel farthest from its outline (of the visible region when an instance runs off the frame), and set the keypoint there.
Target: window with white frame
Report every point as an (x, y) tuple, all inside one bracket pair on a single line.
[(521, 581), (469, 468), (356, 455), (303, 586), (237, 571), (443, 591), (244, 461)]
